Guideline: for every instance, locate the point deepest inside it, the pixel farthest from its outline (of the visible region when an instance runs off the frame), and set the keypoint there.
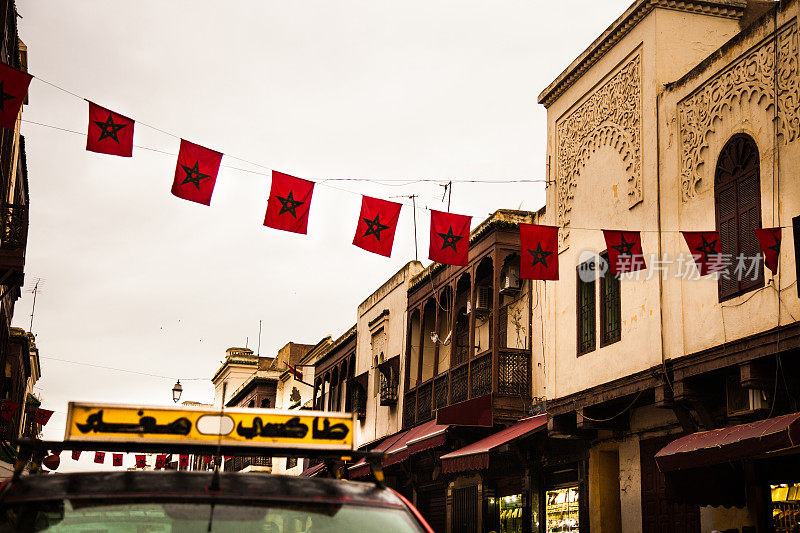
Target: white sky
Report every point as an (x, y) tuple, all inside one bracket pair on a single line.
[(138, 279)]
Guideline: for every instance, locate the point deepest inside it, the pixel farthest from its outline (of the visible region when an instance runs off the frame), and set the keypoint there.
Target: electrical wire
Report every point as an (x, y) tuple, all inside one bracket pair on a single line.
[(47, 358)]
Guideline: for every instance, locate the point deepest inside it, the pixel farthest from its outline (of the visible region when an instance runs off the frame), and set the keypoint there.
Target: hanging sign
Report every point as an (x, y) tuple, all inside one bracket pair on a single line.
[(244, 427)]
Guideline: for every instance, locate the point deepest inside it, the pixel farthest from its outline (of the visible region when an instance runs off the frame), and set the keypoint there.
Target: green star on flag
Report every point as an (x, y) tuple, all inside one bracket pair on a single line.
[(108, 129), (193, 175), (289, 204)]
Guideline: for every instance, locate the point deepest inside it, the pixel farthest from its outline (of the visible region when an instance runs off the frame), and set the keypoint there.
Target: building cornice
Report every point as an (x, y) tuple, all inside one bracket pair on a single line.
[(622, 26)]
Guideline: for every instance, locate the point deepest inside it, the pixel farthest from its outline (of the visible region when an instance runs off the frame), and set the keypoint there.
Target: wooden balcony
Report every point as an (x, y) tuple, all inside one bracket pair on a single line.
[(13, 241), (510, 397), (237, 464)]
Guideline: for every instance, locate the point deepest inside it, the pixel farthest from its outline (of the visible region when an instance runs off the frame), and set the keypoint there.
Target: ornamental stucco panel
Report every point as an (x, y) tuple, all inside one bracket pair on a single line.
[(611, 116), (749, 78)]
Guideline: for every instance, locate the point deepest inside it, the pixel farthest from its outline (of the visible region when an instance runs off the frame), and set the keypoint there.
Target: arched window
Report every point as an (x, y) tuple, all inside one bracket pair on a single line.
[(737, 199), (251, 404)]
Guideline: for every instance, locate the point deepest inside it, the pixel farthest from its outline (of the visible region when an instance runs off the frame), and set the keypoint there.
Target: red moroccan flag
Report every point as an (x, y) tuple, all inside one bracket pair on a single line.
[(42, 416), (183, 461), (624, 251), (8, 408), (109, 132), (289, 203), (13, 88), (196, 173), (449, 243), (141, 461), (377, 223), (705, 249), (76, 454), (539, 252), (294, 372), (206, 459), (99, 457), (116, 459), (161, 461), (770, 241)]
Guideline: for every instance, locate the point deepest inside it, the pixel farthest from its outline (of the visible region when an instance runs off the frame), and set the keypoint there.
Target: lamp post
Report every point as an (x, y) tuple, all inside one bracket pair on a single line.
[(176, 391)]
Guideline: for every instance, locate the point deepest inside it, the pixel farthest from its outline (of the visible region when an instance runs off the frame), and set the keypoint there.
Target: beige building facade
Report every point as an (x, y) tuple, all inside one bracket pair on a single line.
[(380, 344), (668, 123)]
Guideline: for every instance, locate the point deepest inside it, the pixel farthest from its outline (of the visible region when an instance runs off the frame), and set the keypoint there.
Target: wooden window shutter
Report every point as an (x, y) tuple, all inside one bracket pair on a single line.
[(585, 306), (737, 199)]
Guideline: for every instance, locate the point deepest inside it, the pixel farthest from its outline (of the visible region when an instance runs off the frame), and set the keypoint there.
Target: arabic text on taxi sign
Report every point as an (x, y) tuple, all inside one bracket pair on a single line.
[(235, 426)]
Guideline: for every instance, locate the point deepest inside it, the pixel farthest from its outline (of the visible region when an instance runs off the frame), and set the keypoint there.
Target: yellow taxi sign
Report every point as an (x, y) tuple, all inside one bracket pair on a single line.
[(244, 427)]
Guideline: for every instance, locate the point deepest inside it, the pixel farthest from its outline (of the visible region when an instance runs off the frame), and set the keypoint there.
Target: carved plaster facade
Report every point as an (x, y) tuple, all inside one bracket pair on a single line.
[(611, 116), (751, 77)]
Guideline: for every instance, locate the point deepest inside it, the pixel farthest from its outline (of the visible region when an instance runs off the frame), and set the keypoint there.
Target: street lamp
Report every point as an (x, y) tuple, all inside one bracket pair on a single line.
[(176, 391)]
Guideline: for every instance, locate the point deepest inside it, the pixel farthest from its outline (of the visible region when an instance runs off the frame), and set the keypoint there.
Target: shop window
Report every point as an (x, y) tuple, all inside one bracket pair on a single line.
[(737, 200), (562, 509), (585, 307), (785, 507), (610, 307), (508, 512)]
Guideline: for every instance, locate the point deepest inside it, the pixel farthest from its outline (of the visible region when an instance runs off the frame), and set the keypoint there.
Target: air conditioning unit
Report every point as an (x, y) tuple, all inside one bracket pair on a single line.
[(510, 279), (482, 298), (742, 401)]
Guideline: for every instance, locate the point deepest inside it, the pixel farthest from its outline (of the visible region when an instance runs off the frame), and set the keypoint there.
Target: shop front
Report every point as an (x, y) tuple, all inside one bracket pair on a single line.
[(493, 486), (747, 476)]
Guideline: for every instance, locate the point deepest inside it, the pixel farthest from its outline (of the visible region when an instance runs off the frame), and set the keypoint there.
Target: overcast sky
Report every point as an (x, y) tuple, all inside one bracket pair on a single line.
[(135, 278)]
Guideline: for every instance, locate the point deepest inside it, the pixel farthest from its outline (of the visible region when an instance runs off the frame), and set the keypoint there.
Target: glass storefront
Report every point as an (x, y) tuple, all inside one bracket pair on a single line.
[(507, 513), (786, 508), (563, 510)]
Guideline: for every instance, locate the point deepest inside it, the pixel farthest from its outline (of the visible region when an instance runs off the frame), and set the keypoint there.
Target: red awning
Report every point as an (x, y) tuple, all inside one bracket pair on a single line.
[(476, 455), (417, 439), (402, 445), (313, 470), (731, 444), (361, 468)]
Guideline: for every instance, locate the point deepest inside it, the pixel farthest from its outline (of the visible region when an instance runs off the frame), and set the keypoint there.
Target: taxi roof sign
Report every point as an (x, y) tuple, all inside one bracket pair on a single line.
[(263, 428)]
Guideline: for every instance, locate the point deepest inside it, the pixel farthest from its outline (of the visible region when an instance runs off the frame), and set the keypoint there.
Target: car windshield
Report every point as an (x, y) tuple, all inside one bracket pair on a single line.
[(81, 516)]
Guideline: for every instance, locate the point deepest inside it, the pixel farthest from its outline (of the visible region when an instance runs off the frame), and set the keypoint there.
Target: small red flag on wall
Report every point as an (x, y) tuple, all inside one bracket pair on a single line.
[(141, 461), (13, 88), (289, 203), (770, 241), (539, 252), (624, 251), (116, 459), (161, 461), (196, 173), (183, 461), (7, 409), (42, 416), (99, 457), (705, 249), (76, 454), (109, 132), (449, 242), (377, 223)]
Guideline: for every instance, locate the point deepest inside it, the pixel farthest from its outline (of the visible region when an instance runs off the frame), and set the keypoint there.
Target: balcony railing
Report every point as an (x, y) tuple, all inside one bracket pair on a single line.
[(237, 464), (469, 380), (13, 226), (388, 387)]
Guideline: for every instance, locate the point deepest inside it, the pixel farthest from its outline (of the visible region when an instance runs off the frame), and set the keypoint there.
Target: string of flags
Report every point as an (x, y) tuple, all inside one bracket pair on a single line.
[(9, 408), (289, 203), (161, 461)]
